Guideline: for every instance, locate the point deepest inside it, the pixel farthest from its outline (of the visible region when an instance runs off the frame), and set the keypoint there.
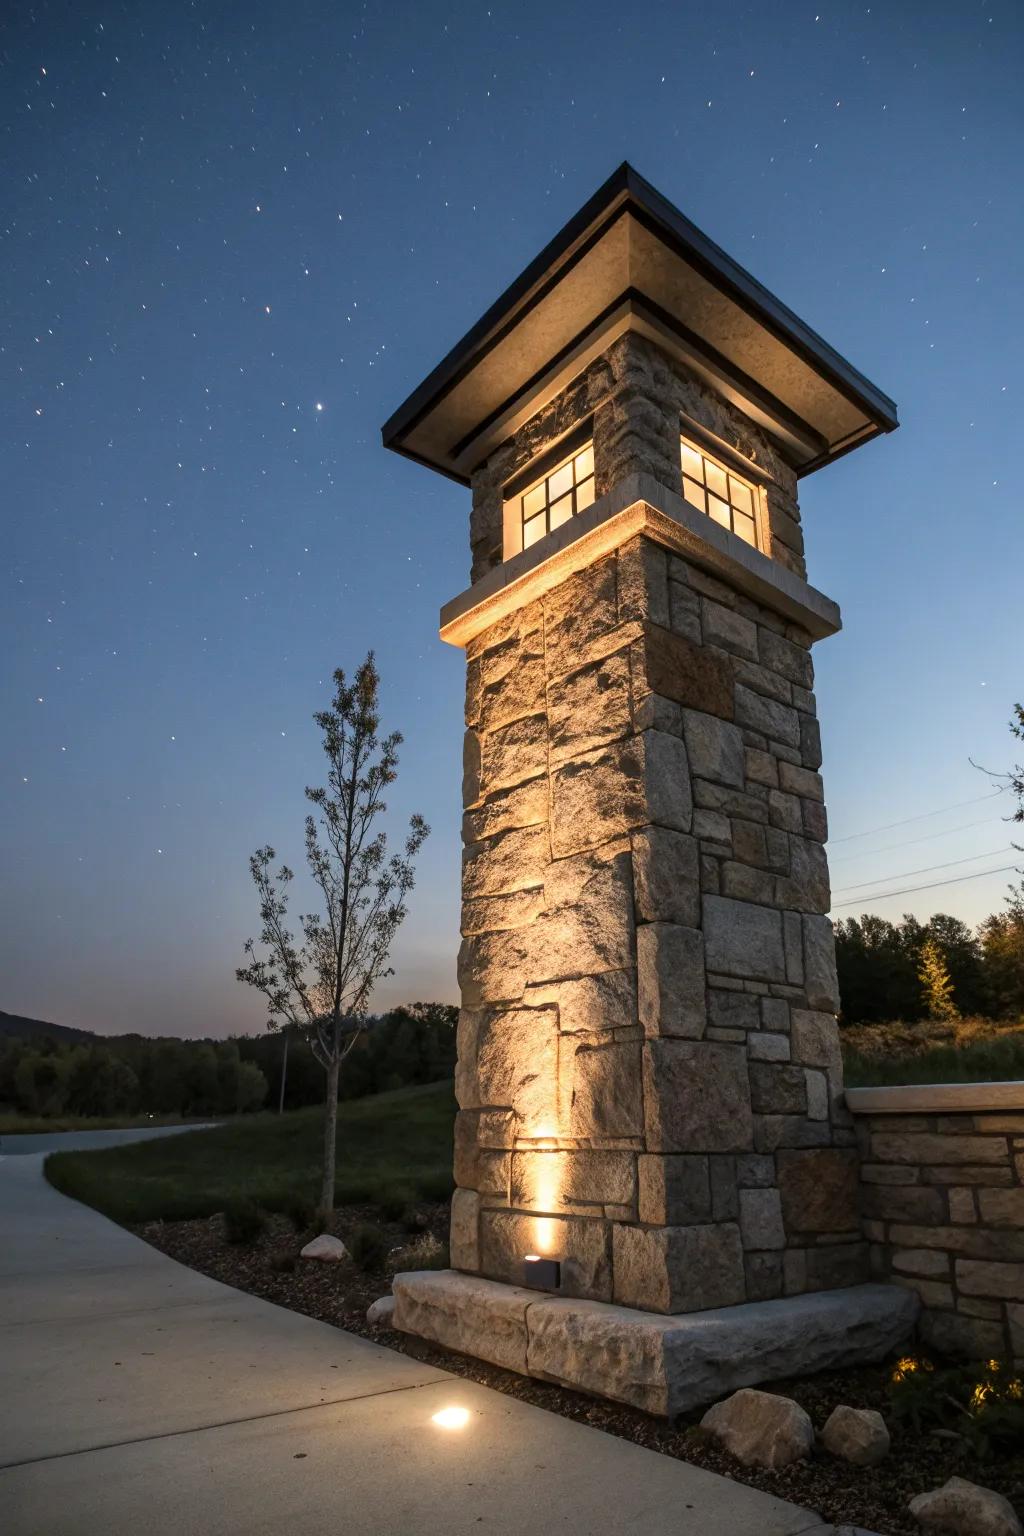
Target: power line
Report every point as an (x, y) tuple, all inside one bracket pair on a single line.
[(908, 890), (905, 874), (924, 816), (909, 842)]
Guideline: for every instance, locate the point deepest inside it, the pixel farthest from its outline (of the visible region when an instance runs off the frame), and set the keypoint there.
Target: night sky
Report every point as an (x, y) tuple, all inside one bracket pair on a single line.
[(235, 236)]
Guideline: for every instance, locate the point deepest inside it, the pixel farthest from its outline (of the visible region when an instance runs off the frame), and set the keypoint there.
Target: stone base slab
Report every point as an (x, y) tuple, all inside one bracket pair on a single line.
[(663, 1365)]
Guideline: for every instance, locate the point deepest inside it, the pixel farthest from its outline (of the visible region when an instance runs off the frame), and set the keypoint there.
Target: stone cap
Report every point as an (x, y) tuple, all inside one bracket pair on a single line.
[(934, 1098), (639, 504), (630, 260)]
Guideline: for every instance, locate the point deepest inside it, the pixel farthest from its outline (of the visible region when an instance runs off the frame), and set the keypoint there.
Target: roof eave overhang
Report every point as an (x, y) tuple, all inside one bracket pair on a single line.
[(454, 419)]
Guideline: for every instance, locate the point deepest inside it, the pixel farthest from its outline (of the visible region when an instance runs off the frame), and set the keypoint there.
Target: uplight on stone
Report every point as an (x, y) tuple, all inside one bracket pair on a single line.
[(451, 1418)]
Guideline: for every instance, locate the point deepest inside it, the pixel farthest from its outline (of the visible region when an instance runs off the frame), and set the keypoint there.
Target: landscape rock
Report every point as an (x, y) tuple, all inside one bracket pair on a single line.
[(761, 1429), (325, 1247), (379, 1313), (858, 1435), (962, 1508)]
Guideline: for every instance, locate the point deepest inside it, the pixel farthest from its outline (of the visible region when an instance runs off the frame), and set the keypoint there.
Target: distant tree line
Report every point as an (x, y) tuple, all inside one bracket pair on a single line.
[(912, 970), (412, 1044), (135, 1074)]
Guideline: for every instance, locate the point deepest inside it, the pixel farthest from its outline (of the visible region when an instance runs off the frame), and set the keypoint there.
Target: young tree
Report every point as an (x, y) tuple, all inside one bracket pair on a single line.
[(1002, 943), (1016, 775), (322, 985), (936, 985), (961, 951)]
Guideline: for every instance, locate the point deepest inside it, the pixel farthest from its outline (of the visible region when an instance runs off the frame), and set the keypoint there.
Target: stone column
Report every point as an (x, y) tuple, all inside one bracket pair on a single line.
[(649, 1075)]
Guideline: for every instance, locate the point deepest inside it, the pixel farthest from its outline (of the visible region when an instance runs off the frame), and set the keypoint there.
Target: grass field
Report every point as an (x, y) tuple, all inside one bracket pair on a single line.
[(392, 1141), (966, 1051)]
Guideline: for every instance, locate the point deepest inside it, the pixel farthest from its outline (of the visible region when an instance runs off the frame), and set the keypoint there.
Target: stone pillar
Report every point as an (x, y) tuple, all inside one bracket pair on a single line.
[(649, 1077)]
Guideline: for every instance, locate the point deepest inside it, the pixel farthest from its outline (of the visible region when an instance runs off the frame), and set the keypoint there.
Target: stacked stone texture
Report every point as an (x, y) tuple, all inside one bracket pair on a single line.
[(635, 396), (649, 1075), (944, 1209)]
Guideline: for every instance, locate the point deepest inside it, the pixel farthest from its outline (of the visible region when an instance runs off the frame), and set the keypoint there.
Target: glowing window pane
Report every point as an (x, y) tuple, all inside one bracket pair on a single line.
[(561, 510), (694, 494), (744, 526), (739, 495), (713, 489), (693, 464), (555, 497), (533, 501), (533, 530), (716, 479), (560, 482)]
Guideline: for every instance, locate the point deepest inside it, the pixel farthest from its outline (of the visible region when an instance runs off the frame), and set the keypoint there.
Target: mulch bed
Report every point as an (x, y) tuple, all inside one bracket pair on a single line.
[(339, 1294)]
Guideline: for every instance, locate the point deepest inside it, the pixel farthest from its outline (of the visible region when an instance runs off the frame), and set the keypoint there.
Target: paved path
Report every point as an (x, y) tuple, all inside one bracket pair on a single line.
[(142, 1399), (80, 1141)]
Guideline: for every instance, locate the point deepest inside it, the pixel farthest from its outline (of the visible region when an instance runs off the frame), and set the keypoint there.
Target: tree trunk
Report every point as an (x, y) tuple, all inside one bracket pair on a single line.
[(330, 1138), (284, 1074)]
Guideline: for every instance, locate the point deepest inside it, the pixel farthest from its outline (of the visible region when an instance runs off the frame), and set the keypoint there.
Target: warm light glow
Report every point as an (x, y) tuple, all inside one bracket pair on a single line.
[(451, 1418), (544, 1172), (907, 1366), (716, 491), (544, 1234), (555, 497)]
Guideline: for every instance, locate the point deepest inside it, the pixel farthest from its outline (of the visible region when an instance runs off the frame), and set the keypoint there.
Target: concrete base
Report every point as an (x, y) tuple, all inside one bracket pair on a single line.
[(663, 1365)]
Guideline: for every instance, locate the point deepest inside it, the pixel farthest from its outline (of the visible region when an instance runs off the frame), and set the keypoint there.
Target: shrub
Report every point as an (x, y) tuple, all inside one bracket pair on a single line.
[(243, 1221), (424, 1252), (302, 1213), (368, 1246), (982, 1402)]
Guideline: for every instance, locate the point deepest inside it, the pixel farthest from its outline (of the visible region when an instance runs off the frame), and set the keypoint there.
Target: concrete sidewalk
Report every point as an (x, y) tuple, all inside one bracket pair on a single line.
[(139, 1394)]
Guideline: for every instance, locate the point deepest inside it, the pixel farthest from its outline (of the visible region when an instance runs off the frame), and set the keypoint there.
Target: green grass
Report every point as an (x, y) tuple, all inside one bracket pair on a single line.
[(975, 1061), (399, 1138), (13, 1124)]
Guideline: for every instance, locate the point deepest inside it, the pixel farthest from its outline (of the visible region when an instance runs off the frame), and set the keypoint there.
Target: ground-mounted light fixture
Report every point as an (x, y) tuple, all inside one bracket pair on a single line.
[(541, 1274)]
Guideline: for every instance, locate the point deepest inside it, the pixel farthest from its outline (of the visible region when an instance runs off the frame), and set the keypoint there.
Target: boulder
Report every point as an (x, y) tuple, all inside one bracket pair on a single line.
[(761, 1429), (857, 1435), (962, 1508), (379, 1312), (325, 1247)]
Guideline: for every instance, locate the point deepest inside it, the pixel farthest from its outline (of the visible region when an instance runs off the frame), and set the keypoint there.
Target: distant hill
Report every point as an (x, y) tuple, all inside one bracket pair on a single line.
[(36, 1029)]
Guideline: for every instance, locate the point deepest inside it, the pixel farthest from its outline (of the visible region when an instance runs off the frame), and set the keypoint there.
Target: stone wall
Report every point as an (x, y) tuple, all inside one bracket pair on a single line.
[(635, 395), (649, 1076), (943, 1198)]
